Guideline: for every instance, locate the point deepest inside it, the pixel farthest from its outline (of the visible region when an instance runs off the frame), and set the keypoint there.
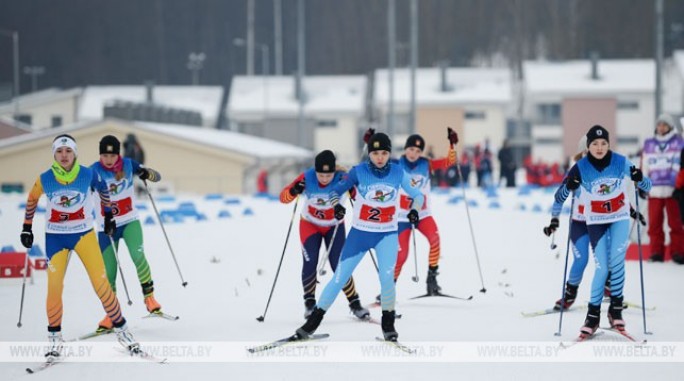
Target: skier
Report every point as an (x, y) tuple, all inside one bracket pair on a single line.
[(419, 169), (117, 172), (318, 224), (69, 226), (606, 208), (660, 162), (377, 184)]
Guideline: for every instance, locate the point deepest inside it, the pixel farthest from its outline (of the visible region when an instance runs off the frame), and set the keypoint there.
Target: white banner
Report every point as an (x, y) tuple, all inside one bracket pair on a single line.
[(345, 352)]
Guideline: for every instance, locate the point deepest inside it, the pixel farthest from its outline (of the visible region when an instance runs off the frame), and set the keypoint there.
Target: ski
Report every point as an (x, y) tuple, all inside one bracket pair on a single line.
[(45, 365), (547, 311), (139, 353), (625, 334), (369, 319), (162, 315), (287, 340), (90, 335), (634, 305), (581, 338), (397, 345), (442, 295)]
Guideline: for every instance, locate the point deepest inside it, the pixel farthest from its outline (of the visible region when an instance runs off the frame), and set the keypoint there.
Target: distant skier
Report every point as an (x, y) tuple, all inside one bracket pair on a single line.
[(118, 173), (606, 208), (318, 224), (377, 183), (420, 169), (69, 227)]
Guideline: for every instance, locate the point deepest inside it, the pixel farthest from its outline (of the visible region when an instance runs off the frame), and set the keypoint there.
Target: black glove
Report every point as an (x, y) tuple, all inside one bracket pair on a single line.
[(636, 174), (298, 188), (340, 211), (452, 136), (26, 236), (642, 194), (548, 230), (109, 224), (413, 217), (677, 194), (573, 183), (637, 216), (368, 134), (149, 174)]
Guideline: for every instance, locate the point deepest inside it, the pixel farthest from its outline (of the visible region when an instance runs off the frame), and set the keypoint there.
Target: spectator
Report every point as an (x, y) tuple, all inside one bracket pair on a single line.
[(660, 162), (507, 164)]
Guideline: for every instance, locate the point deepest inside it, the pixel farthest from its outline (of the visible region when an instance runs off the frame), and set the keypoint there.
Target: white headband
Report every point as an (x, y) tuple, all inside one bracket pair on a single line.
[(64, 141)]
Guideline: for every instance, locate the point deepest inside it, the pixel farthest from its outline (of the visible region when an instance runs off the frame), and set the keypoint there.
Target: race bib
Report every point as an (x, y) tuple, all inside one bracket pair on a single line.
[(377, 214)]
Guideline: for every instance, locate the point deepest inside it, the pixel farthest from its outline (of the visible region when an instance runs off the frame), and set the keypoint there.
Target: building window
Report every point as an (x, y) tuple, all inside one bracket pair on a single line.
[(475, 115), (24, 118), (549, 113), (628, 140), (326, 123), (56, 121), (547, 141), (628, 105)]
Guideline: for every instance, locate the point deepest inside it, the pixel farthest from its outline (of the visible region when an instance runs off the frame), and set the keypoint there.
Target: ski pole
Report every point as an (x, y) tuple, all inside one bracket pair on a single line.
[(275, 280), (641, 262), (470, 224), (415, 255), (321, 265), (23, 289), (161, 223), (118, 263), (553, 241), (565, 269)]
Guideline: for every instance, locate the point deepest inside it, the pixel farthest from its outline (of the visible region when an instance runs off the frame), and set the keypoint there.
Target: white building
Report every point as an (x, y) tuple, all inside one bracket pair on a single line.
[(473, 101), (564, 99), (44, 109), (205, 100), (334, 108)]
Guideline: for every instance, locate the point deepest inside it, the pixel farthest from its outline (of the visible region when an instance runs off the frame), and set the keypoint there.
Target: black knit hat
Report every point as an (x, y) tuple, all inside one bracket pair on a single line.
[(415, 140), (110, 144), (597, 132), (379, 142), (325, 162)]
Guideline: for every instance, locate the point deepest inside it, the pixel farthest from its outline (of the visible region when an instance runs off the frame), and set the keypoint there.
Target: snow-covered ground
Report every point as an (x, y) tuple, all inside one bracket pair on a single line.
[(230, 263)]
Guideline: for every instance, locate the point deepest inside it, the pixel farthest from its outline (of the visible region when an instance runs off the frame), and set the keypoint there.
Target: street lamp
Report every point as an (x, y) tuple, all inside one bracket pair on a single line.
[(240, 42), (195, 64), (15, 53), (34, 72)]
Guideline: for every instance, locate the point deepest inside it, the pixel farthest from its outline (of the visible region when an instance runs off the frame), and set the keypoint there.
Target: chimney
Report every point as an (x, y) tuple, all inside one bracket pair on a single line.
[(443, 80), (594, 57), (149, 92)]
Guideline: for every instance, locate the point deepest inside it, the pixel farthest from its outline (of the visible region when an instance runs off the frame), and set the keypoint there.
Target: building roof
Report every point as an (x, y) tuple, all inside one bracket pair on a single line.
[(234, 141), (467, 86), (574, 77), (246, 145), (274, 95), (204, 99), (39, 98)]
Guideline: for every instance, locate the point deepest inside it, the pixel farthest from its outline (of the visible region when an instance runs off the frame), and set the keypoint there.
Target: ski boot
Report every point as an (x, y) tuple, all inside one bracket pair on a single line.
[(656, 258), (568, 299), (309, 305), (311, 324), (678, 259), (126, 338), (151, 304), (55, 346), (105, 325), (591, 323), (432, 286), (388, 331), (615, 313), (358, 310)]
